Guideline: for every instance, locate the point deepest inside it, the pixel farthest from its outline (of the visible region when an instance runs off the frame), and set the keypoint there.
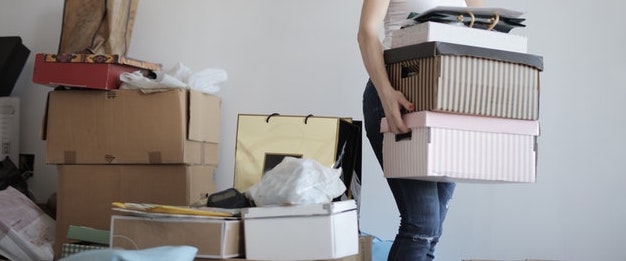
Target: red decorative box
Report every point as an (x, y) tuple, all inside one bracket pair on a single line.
[(94, 71)]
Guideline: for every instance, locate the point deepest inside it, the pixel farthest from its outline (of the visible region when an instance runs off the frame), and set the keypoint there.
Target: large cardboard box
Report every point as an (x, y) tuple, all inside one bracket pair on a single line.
[(302, 232), (131, 127), (13, 56), (93, 71), (85, 192), (455, 78), (214, 237), (450, 33), (10, 128), (456, 147)]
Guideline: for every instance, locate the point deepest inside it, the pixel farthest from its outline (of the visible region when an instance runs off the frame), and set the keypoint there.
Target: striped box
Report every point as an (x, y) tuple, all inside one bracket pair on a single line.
[(454, 78), (466, 148)]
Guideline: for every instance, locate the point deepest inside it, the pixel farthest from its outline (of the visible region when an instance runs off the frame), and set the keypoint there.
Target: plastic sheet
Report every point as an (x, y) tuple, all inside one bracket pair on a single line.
[(297, 181)]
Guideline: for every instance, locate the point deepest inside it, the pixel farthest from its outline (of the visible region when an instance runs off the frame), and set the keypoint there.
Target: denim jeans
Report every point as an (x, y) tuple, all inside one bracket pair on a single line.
[(422, 204)]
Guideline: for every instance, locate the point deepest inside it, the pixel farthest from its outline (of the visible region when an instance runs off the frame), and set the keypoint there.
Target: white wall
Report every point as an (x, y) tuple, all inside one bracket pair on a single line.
[(301, 57)]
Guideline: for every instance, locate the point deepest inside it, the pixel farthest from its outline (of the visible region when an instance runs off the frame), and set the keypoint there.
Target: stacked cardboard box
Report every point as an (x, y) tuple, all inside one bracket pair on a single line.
[(476, 113), (124, 145)]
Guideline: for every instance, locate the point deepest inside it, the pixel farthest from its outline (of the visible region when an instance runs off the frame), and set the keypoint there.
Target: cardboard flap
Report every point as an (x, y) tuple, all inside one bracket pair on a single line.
[(430, 49), (204, 117)]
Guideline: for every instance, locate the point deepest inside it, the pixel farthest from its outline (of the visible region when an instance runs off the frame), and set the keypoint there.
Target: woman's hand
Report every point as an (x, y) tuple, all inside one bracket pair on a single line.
[(392, 101)]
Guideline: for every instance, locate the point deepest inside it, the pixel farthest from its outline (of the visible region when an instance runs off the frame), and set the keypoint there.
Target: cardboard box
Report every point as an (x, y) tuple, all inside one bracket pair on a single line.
[(454, 78), (85, 192), (214, 237), (10, 128), (13, 56), (302, 232), (93, 71), (440, 32), (130, 127), (456, 147)]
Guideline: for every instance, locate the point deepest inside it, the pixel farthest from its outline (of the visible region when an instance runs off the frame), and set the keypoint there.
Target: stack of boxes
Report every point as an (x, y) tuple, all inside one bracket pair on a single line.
[(476, 109), (114, 145)]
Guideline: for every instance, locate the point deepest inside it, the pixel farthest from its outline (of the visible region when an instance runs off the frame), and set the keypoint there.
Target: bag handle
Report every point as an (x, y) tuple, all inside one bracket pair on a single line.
[(306, 119), (494, 20), (460, 18)]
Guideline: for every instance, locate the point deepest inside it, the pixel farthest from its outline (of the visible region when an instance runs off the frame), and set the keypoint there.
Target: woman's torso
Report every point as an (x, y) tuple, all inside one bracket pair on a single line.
[(399, 10)]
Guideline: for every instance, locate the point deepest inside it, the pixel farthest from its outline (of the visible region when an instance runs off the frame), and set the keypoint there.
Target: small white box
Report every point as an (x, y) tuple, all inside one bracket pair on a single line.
[(302, 232), (440, 32), (461, 147), (10, 128)]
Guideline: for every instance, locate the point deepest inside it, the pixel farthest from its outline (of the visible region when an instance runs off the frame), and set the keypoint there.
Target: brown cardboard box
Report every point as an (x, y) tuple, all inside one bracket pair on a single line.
[(93, 71), (464, 79), (85, 192), (214, 237), (130, 127)]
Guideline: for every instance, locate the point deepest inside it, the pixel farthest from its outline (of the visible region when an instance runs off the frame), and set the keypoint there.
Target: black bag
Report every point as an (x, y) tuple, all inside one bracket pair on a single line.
[(13, 56), (11, 175), (488, 19)]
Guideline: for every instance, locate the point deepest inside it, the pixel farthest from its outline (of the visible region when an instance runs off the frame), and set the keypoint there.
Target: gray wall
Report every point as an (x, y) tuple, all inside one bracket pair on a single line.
[(301, 57)]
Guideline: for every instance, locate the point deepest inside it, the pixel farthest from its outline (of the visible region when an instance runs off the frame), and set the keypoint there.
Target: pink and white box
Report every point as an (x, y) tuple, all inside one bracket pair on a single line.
[(462, 147)]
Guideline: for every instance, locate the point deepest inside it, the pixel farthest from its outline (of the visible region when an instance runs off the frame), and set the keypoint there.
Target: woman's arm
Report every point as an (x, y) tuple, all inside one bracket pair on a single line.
[(372, 15), (474, 2)]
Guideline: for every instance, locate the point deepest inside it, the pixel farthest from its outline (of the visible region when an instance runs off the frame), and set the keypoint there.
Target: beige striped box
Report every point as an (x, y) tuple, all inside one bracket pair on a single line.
[(464, 148), (454, 78)]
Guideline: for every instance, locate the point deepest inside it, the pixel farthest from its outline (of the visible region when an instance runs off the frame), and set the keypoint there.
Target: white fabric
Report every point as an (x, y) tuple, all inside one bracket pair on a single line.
[(399, 10)]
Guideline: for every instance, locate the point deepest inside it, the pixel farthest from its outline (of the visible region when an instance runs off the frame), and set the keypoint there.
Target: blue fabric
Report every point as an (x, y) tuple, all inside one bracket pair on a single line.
[(162, 253), (380, 249), (422, 204)]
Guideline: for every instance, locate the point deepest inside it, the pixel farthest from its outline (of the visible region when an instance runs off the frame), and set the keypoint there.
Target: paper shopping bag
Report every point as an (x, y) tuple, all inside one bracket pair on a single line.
[(97, 26), (264, 140)]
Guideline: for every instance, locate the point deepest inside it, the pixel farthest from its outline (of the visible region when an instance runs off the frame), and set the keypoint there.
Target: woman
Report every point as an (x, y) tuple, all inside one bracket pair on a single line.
[(422, 204)]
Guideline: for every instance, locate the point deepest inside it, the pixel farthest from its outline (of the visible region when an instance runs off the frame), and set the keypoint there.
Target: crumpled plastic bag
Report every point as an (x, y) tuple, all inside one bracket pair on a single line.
[(297, 181), (179, 76)]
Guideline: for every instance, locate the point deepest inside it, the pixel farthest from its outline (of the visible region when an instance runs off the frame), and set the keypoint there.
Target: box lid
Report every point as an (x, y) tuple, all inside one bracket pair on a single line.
[(430, 49), (467, 122), (98, 58), (299, 210)]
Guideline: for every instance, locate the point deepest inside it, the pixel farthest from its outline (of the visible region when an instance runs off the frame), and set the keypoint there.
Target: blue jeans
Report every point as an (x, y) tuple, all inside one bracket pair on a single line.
[(422, 204)]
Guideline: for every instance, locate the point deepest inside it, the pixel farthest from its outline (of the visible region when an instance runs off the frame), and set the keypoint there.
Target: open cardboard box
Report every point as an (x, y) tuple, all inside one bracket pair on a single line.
[(131, 127)]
